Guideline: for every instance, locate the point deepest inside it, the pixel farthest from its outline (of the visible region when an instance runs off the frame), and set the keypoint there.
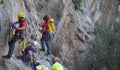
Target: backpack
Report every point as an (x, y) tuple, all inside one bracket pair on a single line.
[(51, 26), (11, 33), (25, 45)]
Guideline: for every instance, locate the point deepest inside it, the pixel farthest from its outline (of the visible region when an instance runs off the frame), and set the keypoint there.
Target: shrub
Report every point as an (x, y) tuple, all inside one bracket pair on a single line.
[(77, 4), (106, 47)]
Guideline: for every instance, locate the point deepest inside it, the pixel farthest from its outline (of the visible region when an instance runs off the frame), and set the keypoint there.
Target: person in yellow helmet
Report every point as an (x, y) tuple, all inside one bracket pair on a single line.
[(19, 33), (56, 65)]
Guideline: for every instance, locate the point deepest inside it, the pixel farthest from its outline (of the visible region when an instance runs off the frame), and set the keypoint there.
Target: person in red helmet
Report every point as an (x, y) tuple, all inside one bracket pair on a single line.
[(45, 40), (47, 16)]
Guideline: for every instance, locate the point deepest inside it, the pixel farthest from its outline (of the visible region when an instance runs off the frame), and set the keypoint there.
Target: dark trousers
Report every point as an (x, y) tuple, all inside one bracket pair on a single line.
[(11, 43), (45, 41), (25, 58)]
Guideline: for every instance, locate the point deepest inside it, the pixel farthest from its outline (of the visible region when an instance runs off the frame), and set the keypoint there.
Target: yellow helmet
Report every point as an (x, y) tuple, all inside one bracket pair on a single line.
[(21, 15), (41, 67), (51, 20), (28, 44)]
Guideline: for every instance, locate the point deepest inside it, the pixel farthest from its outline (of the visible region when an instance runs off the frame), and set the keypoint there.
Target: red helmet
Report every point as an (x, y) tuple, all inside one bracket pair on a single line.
[(55, 58), (47, 16)]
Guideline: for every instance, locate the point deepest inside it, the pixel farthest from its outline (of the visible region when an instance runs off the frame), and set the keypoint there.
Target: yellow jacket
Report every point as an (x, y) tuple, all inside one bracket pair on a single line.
[(57, 66)]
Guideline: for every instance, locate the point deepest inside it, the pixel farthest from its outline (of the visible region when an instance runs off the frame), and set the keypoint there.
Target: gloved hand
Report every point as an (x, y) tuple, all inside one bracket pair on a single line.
[(13, 26), (50, 33), (53, 33)]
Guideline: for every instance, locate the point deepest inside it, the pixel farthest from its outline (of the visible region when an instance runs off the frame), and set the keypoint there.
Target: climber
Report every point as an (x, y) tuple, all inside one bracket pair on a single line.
[(56, 65), (29, 49), (29, 54), (19, 33), (45, 40)]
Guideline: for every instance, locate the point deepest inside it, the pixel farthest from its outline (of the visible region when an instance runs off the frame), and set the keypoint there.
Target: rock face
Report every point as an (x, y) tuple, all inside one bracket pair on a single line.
[(74, 28)]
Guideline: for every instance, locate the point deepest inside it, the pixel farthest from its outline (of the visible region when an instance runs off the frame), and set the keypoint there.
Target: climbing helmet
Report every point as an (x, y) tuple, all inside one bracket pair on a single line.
[(51, 20), (21, 15)]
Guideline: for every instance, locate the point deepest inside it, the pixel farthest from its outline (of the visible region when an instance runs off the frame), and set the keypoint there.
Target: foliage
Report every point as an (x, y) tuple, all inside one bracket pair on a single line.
[(106, 47), (77, 4)]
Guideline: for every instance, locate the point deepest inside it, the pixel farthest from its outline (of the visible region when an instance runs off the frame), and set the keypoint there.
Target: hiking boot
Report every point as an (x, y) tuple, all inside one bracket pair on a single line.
[(19, 57), (42, 50), (6, 57), (47, 54)]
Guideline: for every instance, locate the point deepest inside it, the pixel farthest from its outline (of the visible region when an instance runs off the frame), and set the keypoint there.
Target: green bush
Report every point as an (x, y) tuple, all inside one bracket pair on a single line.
[(77, 4), (106, 47)]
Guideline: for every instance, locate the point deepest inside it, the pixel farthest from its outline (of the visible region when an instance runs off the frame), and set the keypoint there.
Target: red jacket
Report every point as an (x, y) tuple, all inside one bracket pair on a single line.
[(21, 24), (45, 25)]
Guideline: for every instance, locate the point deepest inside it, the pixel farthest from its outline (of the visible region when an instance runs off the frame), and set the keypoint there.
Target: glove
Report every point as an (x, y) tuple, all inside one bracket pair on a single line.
[(13, 26), (53, 33), (50, 33)]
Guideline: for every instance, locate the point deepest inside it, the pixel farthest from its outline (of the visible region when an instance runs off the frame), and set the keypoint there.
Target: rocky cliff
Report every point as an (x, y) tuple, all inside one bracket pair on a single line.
[(75, 28)]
